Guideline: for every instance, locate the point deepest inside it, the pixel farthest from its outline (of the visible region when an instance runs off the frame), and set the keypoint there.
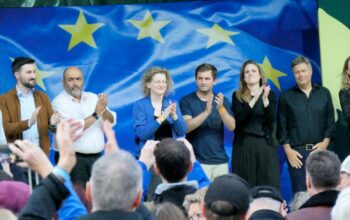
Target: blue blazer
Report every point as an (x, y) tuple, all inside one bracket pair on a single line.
[(145, 126)]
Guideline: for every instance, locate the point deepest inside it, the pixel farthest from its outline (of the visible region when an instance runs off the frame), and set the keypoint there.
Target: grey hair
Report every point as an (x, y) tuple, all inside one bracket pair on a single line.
[(323, 167), (115, 180)]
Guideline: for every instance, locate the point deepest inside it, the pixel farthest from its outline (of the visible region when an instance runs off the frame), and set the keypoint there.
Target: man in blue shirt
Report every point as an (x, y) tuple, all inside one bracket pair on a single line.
[(205, 114)]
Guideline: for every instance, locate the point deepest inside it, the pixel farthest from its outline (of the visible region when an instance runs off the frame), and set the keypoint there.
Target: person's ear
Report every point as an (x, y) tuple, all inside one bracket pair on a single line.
[(156, 169), (88, 193), (138, 200), (190, 168)]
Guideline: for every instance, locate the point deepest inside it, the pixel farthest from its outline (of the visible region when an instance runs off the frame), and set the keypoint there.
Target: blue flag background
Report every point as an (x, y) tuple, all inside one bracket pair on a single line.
[(114, 45)]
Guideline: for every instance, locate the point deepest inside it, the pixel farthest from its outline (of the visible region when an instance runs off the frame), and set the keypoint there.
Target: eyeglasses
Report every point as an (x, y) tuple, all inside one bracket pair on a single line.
[(160, 82)]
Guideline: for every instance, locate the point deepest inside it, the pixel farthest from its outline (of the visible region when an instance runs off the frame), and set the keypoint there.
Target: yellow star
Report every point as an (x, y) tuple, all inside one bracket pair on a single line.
[(149, 28), (217, 34), (81, 31), (40, 75), (271, 73)]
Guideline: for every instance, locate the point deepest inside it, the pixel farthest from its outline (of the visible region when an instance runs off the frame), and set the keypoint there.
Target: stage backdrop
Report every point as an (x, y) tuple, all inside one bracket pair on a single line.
[(115, 44), (334, 23)]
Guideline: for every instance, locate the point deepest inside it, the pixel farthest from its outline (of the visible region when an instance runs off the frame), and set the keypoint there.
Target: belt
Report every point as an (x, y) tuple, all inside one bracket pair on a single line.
[(87, 155), (308, 147)]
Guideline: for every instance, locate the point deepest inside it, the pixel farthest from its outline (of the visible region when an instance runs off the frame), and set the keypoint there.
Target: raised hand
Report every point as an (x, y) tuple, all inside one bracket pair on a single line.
[(34, 116), (111, 144)]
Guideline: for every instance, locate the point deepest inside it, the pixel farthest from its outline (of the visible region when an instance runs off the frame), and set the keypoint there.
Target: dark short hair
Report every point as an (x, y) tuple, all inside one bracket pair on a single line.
[(323, 167), (173, 159), (299, 60), (206, 67), (21, 61)]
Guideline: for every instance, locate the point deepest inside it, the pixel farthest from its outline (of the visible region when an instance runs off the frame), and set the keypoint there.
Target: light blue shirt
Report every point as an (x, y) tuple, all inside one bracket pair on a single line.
[(2, 133), (27, 104)]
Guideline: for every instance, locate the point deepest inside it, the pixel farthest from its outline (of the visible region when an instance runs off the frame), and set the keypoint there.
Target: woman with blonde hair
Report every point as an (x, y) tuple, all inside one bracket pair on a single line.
[(254, 156), (156, 116), (344, 93)]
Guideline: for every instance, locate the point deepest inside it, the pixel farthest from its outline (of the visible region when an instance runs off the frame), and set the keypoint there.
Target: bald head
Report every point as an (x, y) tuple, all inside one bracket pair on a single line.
[(73, 81)]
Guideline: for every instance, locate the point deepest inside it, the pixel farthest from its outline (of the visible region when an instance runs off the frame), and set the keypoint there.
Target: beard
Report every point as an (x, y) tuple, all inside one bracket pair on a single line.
[(75, 92), (28, 84)]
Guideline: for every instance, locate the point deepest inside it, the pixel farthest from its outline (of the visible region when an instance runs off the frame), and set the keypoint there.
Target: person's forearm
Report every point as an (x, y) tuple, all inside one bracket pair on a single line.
[(194, 123), (227, 119)]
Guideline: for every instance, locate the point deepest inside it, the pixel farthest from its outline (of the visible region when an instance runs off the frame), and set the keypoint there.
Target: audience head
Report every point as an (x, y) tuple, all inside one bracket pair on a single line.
[(168, 211), (346, 74), (172, 160), (25, 72), (267, 203), (115, 183), (193, 204), (13, 195), (157, 81), (341, 209), (7, 214), (228, 197), (345, 173), (73, 81), (322, 171)]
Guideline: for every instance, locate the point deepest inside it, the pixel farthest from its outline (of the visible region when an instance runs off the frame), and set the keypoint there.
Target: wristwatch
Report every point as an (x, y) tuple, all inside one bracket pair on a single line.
[(95, 115)]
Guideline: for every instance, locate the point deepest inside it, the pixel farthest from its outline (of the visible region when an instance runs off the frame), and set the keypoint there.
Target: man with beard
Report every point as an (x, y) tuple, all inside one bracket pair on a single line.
[(27, 113), (205, 114), (92, 111)]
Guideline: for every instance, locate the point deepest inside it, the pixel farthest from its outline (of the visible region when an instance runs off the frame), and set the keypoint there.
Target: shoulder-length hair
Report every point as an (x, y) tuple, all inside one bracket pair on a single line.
[(148, 76), (243, 94)]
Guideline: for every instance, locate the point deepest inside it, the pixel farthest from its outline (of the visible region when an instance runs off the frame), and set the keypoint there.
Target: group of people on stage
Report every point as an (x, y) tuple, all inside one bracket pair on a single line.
[(305, 118)]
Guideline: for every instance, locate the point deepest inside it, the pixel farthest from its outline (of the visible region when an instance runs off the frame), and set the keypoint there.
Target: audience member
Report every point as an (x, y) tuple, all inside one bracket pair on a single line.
[(13, 195), (173, 163), (341, 209), (228, 197), (322, 178), (168, 211), (345, 174), (267, 204), (194, 203), (7, 214)]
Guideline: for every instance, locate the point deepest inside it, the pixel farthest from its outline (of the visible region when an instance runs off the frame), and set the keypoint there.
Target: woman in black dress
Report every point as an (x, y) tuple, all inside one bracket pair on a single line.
[(254, 155), (344, 93)]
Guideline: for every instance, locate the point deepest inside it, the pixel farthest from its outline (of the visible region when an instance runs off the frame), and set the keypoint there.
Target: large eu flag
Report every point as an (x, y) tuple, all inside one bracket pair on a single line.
[(114, 45)]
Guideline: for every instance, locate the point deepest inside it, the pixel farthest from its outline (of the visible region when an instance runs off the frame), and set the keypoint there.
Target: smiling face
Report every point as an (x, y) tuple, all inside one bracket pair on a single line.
[(251, 74), (205, 81), (158, 84), (26, 75), (302, 74)]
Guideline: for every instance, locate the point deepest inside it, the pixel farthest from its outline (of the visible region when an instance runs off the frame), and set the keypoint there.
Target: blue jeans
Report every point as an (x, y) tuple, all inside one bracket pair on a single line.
[(298, 175)]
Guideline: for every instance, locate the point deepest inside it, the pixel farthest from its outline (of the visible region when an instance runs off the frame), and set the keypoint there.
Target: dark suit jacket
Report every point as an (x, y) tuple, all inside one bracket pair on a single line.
[(13, 126)]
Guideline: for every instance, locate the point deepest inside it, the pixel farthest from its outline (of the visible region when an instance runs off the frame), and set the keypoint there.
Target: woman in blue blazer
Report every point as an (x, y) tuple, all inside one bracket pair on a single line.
[(156, 116)]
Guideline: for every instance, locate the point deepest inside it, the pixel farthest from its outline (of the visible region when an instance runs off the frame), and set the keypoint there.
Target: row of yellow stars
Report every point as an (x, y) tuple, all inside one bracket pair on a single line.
[(81, 32)]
